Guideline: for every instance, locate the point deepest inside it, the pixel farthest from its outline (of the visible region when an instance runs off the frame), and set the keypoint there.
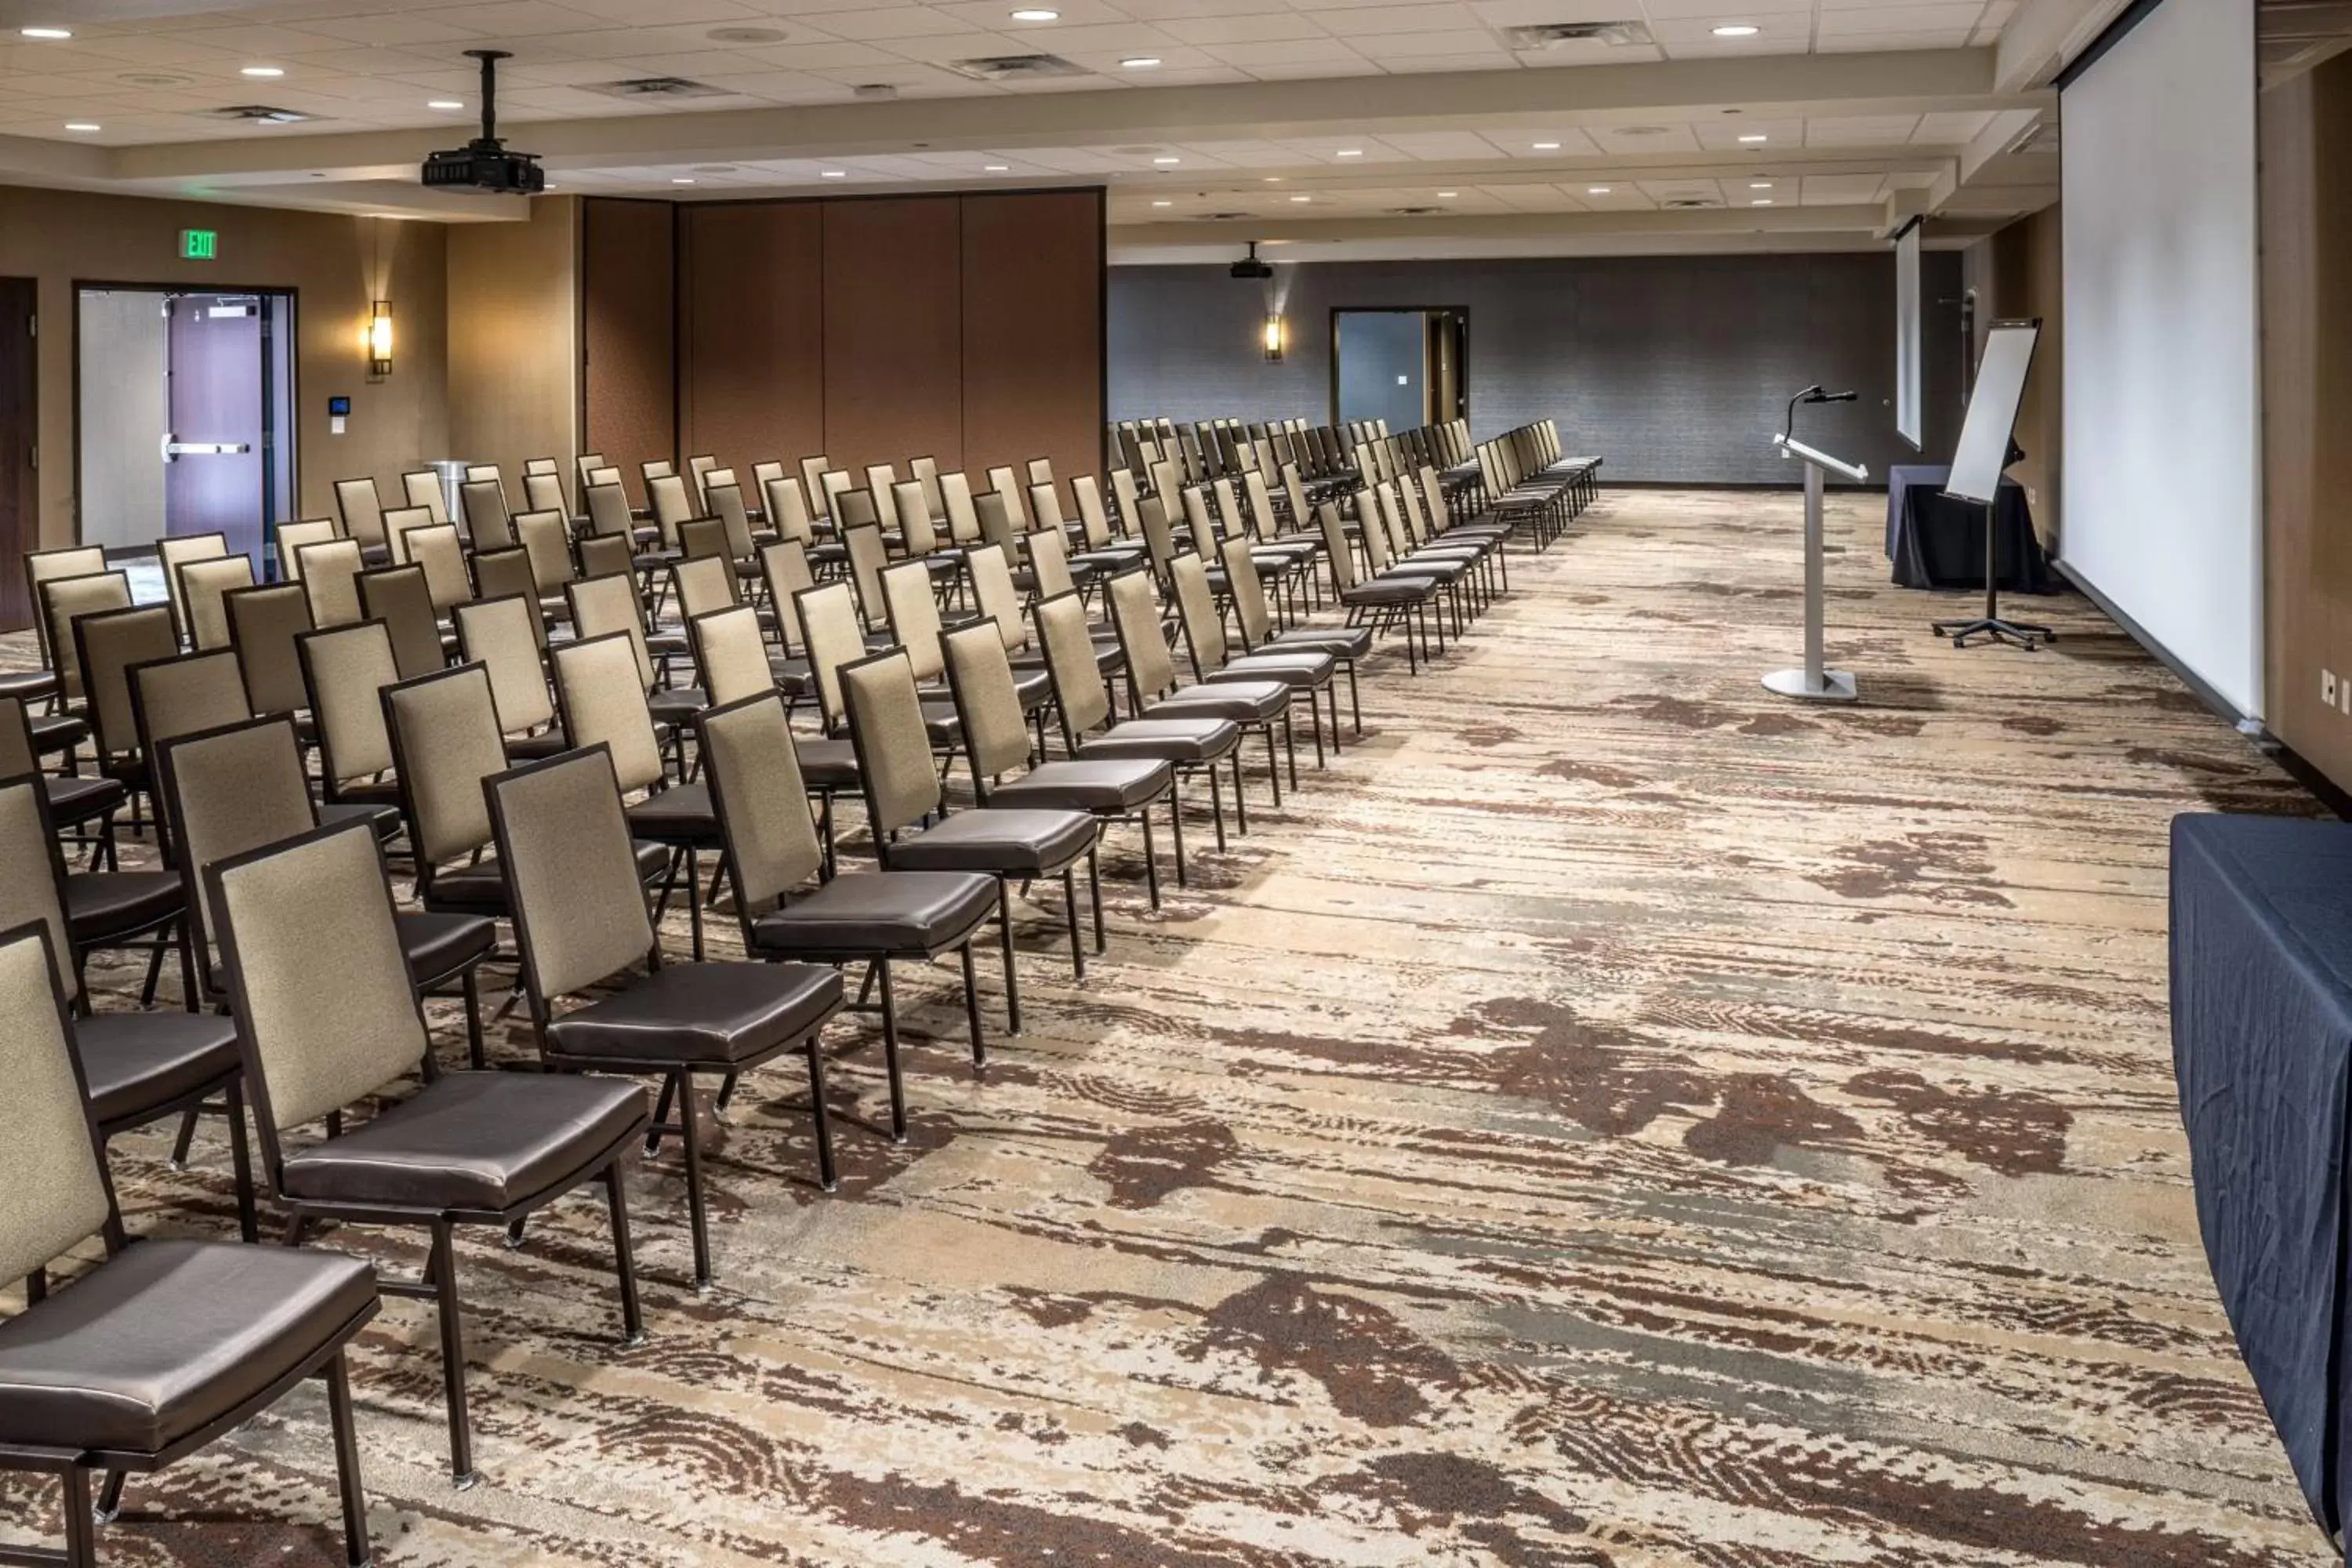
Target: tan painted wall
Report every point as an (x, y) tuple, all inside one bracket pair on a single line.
[(514, 339), (337, 263)]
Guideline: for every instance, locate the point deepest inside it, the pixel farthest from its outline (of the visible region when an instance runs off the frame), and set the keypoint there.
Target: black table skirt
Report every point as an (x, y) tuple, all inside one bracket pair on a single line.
[(1936, 541), (2261, 1051)]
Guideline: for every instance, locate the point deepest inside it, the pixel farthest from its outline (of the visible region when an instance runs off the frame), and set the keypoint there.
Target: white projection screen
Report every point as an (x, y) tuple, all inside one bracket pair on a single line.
[(1907, 335), (2162, 481)]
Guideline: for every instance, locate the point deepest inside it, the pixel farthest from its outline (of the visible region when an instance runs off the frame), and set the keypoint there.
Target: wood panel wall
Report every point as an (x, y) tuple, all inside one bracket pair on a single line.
[(2028, 280), (968, 328), (629, 330), (2305, 129)]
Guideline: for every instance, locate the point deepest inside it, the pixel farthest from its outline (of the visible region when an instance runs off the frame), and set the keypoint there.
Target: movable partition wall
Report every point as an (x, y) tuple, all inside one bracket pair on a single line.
[(967, 327)]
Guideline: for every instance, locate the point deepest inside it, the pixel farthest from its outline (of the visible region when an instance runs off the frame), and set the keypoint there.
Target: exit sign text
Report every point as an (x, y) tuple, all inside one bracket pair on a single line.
[(199, 244)]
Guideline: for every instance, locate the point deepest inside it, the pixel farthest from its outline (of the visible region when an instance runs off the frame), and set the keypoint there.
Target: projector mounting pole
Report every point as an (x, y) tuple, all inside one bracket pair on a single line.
[(490, 59)]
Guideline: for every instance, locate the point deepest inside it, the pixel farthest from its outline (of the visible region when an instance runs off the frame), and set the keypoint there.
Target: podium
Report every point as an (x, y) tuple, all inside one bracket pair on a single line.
[(1812, 683)]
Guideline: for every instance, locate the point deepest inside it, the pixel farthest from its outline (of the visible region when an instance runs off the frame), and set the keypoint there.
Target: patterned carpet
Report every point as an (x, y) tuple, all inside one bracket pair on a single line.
[(1614, 1117)]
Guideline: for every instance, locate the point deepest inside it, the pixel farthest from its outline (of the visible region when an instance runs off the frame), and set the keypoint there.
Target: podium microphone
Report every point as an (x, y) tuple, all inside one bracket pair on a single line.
[(1818, 395)]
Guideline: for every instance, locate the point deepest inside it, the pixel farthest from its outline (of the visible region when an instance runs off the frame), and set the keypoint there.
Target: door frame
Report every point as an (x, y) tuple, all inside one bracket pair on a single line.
[(28, 519), (1461, 312), (293, 297)]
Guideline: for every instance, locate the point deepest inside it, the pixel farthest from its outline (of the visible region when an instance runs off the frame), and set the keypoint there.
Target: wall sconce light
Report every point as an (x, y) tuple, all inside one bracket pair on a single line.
[(378, 339), (1274, 335)]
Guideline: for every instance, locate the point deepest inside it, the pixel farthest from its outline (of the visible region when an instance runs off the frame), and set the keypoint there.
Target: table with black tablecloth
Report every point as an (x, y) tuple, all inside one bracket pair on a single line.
[(2261, 1050), (1937, 542)]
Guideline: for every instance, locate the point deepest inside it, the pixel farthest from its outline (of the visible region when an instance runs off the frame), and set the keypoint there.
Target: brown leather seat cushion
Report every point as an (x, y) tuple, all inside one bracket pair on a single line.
[(1170, 740), (679, 704), (102, 904), (1340, 642), (479, 1141), (1244, 701), (1391, 591), (1293, 667), (482, 887), (1093, 783), (535, 748), (1007, 843), (438, 944), (386, 818), (880, 911), (152, 1345), (74, 800), (681, 814), (141, 1062), (826, 763), (30, 685), (714, 1013)]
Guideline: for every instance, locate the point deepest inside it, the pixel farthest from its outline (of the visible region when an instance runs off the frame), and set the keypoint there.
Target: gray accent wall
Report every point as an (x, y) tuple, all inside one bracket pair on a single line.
[(1677, 369)]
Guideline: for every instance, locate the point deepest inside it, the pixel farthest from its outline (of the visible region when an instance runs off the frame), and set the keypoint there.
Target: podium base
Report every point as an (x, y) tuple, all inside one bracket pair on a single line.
[(1836, 685), (1993, 629)]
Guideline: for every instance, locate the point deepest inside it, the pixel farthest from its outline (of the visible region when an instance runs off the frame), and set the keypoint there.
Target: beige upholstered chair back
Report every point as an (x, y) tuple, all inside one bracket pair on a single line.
[(608, 511), (572, 870), (755, 782), (784, 567), (63, 600), (16, 755), (442, 555), (1159, 538), (203, 585), (1433, 495), (263, 623), (231, 791), (170, 554), (602, 706), (993, 589), (398, 597), (914, 612), (1196, 607), (399, 522), (813, 473), (544, 492), (1049, 560), (1123, 489), (1069, 647), (730, 654), (1091, 516), (704, 583), (956, 502), (502, 635), (546, 540), (345, 669), (833, 637), (1335, 545), (109, 644), (181, 696), (788, 510), (894, 751), (446, 729), (995, 736), (1247, 592), (832, 485), (867, 557), (607, 556), (1045, 505), (672, 504), (28, 893), (329, 575), (293, 537), (913, 510), (53, 1191), (726, 506), (423, 489), (1135, 611), (323, 996), (857, 509), (926, 474), (363, 509), (881, 478), (603, 605), (486, 520)]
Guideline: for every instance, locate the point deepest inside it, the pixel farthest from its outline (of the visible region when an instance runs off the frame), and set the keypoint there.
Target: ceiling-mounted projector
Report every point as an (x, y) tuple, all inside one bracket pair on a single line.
[(484, 163), (1249, 267)]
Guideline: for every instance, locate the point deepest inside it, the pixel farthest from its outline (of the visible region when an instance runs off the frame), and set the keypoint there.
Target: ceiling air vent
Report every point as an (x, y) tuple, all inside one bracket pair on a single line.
[(874, 92), (1686, 203), (748, 35), (1016, 67), (1412, 212), (658, 87), (260, 114), (1559, 34), (1219, 217)]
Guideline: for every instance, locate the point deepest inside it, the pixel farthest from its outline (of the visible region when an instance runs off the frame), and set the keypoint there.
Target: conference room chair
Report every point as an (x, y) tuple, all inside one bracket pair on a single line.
[(1082, 699), (701, 539), (106, 645), (397, 598), (606, 555), (836, 637), (488, 524), (602, 605), (203, 585), (74, 803), (141, 1066), (476, 473), (465, 1148), (1004, 482), (360, 506), (505, 636), (730, 654), (919, 537), (787, 511), (698, 469), (1399, 602), (598, 703), (291, 538), (855, 509), (398, 524), (60, 601), (1105, 550), (181, 696), (915, 623), (926, 471), (544, 491), (161, 1348), (885, 716), (173, 551), (499, 574), (814, 471), (343, 668), (328, 572), (703, 581), (442, 552), (956, 504), (996, 739), (263, 622), (725, 502), (1154, 690), (1254, 620), (589, 463), (868, 554), (1041, 470), (673, 504), (1309, 675), (763, 470), (791, 910), (1382, 532), (880, 479), (580, 923), (784, 572), (422, 488), (608, 512)]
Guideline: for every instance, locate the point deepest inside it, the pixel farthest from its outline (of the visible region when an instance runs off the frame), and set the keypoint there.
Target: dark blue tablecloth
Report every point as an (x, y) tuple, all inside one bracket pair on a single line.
[(2261, 1049), (1937, 542)]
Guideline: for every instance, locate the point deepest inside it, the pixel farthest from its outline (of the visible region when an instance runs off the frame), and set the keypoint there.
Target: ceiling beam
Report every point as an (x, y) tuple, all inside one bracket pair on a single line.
[(2045, 35)]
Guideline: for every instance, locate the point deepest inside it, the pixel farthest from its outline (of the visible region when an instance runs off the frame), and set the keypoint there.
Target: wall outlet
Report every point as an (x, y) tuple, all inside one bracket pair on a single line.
[(2344, 695), (2327, 687)]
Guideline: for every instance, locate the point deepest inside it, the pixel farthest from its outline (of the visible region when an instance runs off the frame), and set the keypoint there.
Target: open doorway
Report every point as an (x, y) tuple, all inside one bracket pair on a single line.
[(185, 414), (1409, 367)]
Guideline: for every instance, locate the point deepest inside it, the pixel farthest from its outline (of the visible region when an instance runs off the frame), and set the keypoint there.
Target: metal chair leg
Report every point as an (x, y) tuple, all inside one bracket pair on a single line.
[(881, 966), (110, 1498), (1011, 974), (825, 1172), (1070, 908), (444, 1272), (696, 1213), (971, 1005), (347, 1463), (241, 1162), (624, 1259)]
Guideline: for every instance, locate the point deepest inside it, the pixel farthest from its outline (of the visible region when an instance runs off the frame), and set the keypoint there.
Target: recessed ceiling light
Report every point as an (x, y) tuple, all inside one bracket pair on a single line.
[(1037, 14), (833, 174), (1753, 139), (1274, 179), (445, 103), (48, 34), (680, 180), (1165, 159), (1738, 30), (84, 125), (1596, 190), (996, 168), (1163, 204), (1139, 63), (1351, 151), (1546, 146), (263, 70), (1447, 195), (1302, 199), (1761, 202), (1759, 184)]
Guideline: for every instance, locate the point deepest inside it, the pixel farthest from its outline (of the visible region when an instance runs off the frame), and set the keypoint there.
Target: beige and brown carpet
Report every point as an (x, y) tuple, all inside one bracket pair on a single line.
[(1615, 1116)]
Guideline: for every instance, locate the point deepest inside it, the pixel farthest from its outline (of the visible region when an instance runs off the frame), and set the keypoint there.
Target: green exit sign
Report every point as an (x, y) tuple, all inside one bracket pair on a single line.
[(199, 244)]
